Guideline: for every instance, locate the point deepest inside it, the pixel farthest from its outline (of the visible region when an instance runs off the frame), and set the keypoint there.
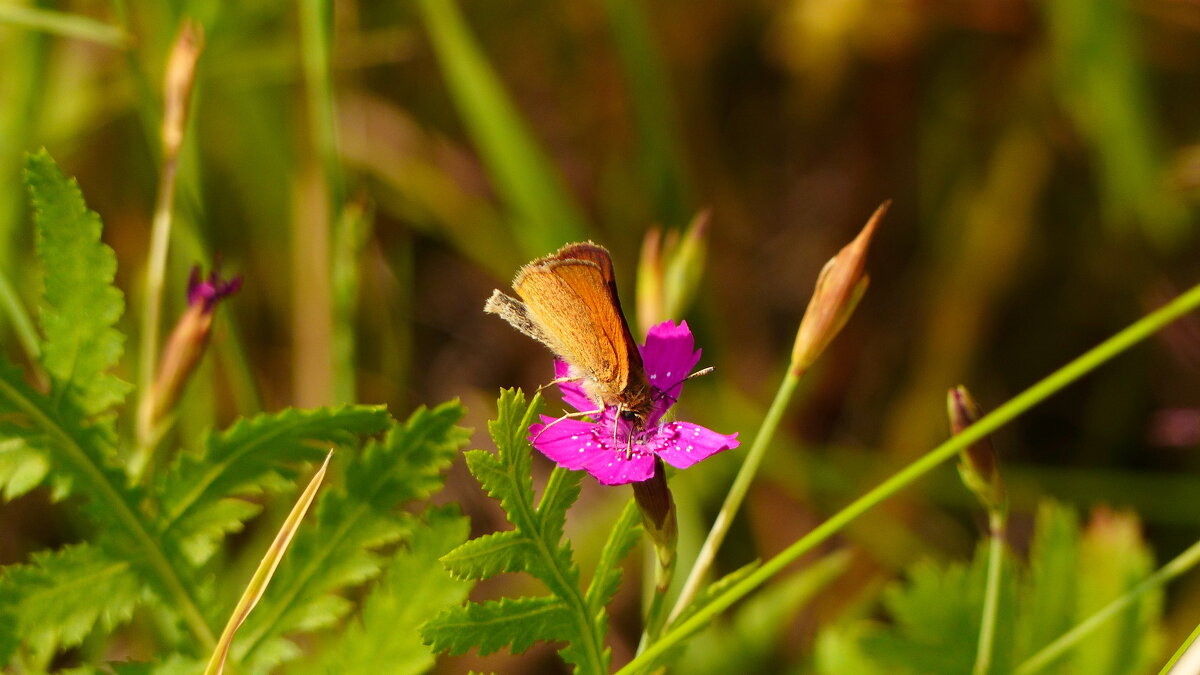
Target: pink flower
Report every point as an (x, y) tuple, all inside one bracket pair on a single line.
[(669, 356)]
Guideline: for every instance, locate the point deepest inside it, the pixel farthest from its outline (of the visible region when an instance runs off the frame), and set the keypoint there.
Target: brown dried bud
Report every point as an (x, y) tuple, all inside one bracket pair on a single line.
[(840, 286), (177, 85), (977, 462)]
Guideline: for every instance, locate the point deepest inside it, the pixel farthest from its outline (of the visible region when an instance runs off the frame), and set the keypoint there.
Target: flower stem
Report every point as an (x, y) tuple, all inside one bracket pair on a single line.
[(997, 525), (1016, 406), (656, 614), (737, 493), (1047, 655)]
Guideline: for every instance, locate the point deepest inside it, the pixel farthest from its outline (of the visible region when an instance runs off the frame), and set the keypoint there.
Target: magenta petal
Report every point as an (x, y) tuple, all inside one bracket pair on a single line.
[(572, 392), (682, 444), (575, 445), (570, 443), (669, 355)]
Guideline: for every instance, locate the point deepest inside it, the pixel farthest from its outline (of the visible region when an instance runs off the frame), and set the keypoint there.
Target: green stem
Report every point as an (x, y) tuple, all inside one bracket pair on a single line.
[(737, 493), (156, 271), (1048, 654), (1050, 385), (656, 613), (997, 524), (1183, 648)]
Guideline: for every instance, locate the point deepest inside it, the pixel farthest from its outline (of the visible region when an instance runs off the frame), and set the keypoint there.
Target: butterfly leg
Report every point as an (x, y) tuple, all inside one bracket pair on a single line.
[(583, 413)]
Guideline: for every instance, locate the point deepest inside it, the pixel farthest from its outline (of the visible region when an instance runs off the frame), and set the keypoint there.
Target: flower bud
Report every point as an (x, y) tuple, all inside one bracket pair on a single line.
[(977, 462), (840, 286), (185, 346), (669, 271), (177, 85)]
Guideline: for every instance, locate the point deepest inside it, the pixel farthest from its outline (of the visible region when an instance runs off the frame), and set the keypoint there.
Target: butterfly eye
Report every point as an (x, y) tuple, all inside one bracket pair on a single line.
[(629, 416)]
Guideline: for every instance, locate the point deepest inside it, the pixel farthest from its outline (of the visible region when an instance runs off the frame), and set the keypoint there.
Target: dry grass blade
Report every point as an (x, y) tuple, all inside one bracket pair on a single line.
[(266, 569)]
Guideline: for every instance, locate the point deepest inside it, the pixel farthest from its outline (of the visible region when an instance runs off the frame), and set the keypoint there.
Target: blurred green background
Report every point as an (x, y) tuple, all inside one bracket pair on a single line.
[(373, 170)]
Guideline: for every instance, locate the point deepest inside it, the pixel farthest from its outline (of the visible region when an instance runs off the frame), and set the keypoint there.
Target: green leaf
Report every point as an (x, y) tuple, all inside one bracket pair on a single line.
[(544, 215), (79, 459), (1048, 600), (59, 597), (537, 546), (938, 613), (411, 590), (198, 504), (515, 623), (350, 522), (491, 554), (80, 305)]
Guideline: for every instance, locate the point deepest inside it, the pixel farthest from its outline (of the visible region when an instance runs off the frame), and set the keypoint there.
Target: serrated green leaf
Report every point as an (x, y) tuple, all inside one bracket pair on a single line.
[(561, 491), (938, 613), (506, 477), (515, 623), (350, 522), (254, 455), (78, 458), (60, 596), (491, 554), (411, 591), (1048, 600), (80, 305)]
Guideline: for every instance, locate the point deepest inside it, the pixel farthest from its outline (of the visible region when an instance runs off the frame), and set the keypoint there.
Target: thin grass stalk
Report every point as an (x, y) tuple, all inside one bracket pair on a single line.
[(997, 527), (737, 493), (1051, 652), (1002, 415)]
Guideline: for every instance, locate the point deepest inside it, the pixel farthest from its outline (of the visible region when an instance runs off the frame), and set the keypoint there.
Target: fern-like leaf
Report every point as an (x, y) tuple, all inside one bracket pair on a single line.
[(491, 554), (198, 495), (58, 598), (535, 546), (350, 522), (411, 590), (80, 305), (515, 623), (79, 459)]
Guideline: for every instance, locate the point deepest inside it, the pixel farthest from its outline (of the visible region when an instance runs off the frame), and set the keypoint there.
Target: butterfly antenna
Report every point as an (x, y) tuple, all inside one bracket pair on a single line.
[(662, 393)]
